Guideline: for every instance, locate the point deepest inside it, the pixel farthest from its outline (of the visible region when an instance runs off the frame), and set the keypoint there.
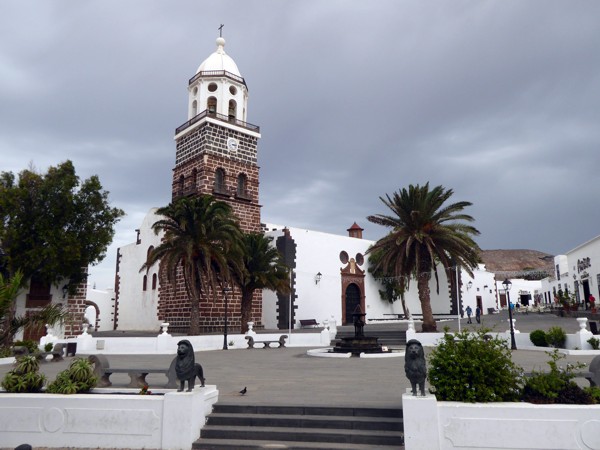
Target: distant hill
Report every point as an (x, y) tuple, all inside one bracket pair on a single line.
[(529, 264)]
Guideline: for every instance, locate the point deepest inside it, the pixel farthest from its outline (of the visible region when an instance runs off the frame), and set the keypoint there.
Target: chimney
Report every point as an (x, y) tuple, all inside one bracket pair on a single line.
[(355, 231)]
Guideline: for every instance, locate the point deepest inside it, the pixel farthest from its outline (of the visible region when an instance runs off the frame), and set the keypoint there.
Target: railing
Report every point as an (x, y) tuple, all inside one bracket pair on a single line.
[(221, 117), (217, 73)]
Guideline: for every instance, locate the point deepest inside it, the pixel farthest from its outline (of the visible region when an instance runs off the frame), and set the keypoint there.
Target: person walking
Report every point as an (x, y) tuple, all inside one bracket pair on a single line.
[(478, 314), (469, 312)]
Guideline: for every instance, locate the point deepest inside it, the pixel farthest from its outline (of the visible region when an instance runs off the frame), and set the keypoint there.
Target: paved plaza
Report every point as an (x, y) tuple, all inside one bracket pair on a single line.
[(289, 376)]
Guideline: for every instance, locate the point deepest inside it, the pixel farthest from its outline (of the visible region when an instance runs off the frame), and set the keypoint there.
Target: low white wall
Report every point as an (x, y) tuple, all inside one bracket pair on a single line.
[(169, 421), (433, 425), (167, 344), (575, 341)]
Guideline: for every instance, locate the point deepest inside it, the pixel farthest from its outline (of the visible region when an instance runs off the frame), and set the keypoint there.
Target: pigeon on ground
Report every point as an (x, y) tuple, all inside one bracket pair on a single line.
[(243, 391)]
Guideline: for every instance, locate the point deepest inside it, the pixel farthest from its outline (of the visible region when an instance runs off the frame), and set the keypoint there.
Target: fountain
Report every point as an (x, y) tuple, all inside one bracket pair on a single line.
[(359, 343)]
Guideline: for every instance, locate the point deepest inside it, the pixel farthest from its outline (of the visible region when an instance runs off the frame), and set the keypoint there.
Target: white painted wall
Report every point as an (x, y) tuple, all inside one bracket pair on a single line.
[(521, 287), (137, 309), (319, 252), (105, 299), (433, 425), (57, 298), (591, 250), (483, 285)]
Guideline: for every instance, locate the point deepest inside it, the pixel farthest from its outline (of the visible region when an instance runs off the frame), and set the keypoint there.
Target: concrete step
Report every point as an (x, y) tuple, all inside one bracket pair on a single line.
[(305, 421), (241, 427), (347, 411), (242, 444), (329, 435)]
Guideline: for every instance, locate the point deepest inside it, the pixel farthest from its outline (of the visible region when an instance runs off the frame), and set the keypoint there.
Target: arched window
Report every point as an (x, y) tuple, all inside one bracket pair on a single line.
[(242, 185), (145, 283), (154, 277), (194, 108), (232, 110), (211, 105), (220, 181), (194, 180), (180, 185)]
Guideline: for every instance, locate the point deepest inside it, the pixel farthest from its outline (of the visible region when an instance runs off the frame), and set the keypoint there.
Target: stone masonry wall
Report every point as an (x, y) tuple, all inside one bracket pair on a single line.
[(199, 154)]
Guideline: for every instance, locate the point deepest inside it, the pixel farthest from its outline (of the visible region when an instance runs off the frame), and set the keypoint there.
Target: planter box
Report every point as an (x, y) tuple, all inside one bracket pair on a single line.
[(107, 418), (433, 425)]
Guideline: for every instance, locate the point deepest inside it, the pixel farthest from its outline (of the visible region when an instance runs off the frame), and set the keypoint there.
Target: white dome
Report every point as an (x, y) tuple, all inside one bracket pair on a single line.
[(219, 60)]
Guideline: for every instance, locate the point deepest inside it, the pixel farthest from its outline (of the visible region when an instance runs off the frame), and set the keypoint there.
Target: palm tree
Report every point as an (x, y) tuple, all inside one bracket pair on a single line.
[(202, 240), (425, 233), (10, 322), (263, 269)]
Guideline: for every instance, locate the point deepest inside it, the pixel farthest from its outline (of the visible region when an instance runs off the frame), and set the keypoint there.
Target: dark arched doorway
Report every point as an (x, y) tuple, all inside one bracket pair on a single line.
[(351, 303)]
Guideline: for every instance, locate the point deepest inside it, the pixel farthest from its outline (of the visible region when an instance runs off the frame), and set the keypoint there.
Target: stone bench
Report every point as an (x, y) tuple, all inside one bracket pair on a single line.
[(308, 323), (56, 353), (267, 343), (137, 375)]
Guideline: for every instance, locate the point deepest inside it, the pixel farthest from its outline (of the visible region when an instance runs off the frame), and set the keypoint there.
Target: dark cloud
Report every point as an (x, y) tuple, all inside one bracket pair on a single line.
[(496, 100)]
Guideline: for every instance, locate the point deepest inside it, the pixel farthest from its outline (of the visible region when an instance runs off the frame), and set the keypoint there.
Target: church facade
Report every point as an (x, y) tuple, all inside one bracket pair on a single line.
[(217, 154)]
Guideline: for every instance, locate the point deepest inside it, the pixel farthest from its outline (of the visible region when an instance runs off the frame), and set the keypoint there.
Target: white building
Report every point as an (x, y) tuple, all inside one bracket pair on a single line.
[(578, 272), (137, 291), (330, 278)]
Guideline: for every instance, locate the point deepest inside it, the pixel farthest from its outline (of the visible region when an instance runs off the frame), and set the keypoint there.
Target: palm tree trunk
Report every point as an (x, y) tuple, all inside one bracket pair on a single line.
[(246, 309), (193, 287), (429, 324), (194, 316)]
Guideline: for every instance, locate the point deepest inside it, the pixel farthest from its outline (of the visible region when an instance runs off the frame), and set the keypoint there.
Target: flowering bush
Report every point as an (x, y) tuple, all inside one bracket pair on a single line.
[(556, 386)]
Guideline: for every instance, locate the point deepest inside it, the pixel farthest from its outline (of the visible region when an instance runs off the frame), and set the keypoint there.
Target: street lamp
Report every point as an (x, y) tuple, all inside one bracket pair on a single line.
[(226, 289), (507, 285)]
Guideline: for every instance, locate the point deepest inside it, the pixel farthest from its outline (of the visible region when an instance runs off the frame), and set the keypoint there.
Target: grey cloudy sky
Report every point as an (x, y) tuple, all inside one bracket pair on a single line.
[(498, 100)]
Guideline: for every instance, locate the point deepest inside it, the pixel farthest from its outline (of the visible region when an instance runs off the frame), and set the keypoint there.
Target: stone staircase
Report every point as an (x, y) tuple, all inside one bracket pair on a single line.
[(387, 337), (244, 427)]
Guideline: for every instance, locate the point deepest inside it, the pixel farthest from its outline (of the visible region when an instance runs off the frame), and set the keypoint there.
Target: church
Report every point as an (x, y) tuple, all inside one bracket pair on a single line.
[(217, 154)]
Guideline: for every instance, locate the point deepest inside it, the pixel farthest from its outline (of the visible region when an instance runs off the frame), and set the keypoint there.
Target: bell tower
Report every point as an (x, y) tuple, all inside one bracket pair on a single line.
[(216, 148), (216, 154)]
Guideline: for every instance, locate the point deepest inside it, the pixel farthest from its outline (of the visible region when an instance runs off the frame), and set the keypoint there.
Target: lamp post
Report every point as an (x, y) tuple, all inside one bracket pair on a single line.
[(507, 285), (225, 290)]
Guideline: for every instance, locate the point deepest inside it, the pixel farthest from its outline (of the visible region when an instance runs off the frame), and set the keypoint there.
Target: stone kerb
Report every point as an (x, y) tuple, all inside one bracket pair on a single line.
[(433, 425), (106, 420)]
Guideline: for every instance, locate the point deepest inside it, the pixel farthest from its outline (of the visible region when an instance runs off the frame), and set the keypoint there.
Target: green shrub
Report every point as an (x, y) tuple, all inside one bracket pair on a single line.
[(48, 347), (79, 377), (594, 342), (556, 386), (594, 392), (25, 376), (473, 367), (556, 337), (538, 338)]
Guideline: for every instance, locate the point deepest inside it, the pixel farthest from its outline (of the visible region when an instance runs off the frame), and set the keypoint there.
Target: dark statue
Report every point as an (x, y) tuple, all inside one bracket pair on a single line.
[(359, 324), (414, 366), (186, 367)]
